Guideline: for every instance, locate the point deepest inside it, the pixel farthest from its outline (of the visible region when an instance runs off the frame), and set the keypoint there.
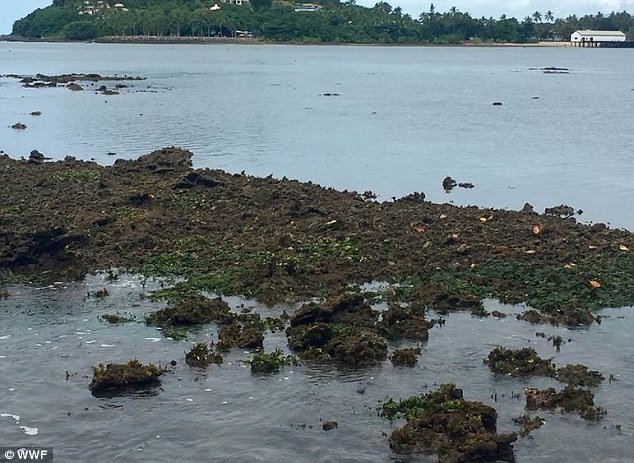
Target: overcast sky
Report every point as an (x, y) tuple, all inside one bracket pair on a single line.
[(10, 10)]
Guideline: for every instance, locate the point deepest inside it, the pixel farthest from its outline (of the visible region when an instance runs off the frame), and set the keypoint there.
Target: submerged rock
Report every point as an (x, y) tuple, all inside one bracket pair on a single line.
[(444, 422), (528, 424), (18, 126)]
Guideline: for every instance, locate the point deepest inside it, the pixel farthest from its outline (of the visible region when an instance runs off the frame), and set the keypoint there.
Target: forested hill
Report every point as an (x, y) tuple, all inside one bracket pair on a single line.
[(320, 21)]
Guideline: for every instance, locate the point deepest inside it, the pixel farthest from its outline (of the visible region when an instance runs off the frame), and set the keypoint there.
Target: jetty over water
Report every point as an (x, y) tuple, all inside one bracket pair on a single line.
[(600, 44)]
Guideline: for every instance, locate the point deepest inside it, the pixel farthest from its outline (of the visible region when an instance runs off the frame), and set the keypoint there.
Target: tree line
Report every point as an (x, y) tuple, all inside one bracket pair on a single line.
[(335, 22)]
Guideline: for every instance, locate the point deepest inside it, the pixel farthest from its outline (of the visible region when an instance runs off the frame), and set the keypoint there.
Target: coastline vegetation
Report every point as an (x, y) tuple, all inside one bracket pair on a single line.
[(326, 21)]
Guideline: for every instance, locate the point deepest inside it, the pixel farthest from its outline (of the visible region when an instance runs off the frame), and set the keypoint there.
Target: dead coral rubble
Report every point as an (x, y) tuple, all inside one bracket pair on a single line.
[(285, 241), (242, 335), (114, 378), (579, 375), (399, 322), (566, 317), (116, 319), (405, 357), (522, 362), (528, 424), (192, 310), (263, 363), (444, 422), (202, 355), (343, 329), (570, 399)]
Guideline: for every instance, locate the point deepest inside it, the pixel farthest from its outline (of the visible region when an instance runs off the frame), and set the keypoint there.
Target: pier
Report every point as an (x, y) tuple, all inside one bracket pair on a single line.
[(603, 44)]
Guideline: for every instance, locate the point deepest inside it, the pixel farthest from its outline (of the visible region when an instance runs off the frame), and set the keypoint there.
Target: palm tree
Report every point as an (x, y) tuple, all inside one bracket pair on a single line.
[(549, 16), (537, 16)]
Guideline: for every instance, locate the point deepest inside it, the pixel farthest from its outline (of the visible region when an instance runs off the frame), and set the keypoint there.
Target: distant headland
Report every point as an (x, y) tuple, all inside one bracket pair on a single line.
[(268, 21)]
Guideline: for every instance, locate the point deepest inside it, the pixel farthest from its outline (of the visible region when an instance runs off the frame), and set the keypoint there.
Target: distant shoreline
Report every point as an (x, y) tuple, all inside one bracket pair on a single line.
[(162, 40)]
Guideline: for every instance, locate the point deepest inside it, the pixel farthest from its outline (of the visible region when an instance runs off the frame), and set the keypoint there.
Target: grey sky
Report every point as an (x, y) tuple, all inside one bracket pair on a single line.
[(10, 10)]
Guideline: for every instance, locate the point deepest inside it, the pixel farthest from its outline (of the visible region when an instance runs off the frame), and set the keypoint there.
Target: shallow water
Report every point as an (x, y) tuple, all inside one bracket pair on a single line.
[(406, 117), (226, 414)]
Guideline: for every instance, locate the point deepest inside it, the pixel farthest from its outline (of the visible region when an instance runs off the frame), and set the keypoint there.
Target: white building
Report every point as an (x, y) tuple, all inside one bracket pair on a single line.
[(307, 7), (597, 36)]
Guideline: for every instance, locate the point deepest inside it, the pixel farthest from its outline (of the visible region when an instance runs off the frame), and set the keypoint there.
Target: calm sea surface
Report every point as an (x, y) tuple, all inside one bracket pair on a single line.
[(224, 414), (404, 119)]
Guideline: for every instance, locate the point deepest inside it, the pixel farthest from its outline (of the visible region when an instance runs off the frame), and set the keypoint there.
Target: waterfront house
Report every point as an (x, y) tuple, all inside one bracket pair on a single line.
[(597, 36)]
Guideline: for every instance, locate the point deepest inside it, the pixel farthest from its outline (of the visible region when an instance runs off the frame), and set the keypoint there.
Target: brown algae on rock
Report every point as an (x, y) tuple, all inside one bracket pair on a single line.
[(528, 424), (263, 363), (115, 378), (192, 310), (521, 362), (406, 357), (244, 336), (579, 375), (399, 322), (283, 240), (443, 422), (202, 355), (116, 319), (568, 317), (343, 329), (570, 399)]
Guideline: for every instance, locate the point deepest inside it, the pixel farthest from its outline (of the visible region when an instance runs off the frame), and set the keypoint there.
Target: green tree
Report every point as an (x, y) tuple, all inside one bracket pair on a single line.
[(80, 30), (259, 5)]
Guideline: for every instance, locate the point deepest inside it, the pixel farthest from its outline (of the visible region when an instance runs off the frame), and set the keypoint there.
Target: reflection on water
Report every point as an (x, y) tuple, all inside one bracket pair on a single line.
[(226, 414), (405, 118)]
